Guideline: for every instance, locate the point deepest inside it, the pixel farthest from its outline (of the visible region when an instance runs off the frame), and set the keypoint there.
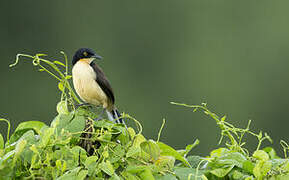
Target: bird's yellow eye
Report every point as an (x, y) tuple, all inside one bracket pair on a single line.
[(85, 53)]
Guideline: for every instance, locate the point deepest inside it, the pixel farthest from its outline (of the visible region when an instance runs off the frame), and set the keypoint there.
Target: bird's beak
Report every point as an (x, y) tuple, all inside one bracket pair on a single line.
[(96, 56)]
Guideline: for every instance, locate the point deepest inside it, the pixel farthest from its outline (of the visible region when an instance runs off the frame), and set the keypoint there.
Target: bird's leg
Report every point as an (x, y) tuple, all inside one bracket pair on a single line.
[(100, 116), (79, 105), (122, 121)]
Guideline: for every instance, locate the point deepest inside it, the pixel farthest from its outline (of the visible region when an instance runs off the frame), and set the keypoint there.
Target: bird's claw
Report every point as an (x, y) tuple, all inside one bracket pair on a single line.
[(79, 105)]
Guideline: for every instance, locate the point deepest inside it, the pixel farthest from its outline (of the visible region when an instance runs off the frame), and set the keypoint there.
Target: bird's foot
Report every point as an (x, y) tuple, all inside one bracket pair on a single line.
[(83, 104), (121, 121)]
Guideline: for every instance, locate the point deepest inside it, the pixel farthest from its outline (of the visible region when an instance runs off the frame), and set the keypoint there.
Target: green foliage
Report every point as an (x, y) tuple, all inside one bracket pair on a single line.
[(39, 151), (234, 161), (53, 152)]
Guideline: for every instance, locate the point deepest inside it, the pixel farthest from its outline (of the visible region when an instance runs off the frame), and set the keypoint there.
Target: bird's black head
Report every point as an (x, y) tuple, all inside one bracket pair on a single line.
[(83, 53)]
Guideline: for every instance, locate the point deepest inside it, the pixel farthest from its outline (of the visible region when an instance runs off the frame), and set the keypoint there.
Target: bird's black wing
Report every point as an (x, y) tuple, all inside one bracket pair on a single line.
[(103, 82)]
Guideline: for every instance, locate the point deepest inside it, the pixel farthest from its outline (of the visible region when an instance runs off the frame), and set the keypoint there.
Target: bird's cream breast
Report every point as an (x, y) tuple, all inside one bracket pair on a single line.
[(84, 81)]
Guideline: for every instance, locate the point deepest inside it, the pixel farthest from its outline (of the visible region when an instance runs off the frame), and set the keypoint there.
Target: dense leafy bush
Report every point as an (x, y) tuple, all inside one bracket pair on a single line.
[(74, 146)]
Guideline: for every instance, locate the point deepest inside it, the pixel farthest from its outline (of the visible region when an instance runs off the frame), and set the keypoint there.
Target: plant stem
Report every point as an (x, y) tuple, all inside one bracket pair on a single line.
[(8, 129)]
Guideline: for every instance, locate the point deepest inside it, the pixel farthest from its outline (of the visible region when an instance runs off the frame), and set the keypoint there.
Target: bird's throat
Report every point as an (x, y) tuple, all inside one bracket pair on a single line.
[(86, 60)]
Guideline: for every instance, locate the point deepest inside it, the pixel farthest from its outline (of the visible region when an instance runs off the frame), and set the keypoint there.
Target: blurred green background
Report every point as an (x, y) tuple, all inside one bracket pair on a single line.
[(231, 54)]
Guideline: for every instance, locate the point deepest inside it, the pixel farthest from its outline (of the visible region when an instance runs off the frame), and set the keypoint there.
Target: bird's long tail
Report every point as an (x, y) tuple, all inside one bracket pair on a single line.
[(114, 115)]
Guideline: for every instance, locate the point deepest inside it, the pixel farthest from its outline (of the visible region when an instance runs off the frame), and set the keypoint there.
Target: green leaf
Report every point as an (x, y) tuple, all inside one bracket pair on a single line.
[(166, 150), (19, 149), (58, 62), (107, 167), (239, 175), (86, 111), (106, 136), (223, 118), (30, 137), (133, 151), (136, 169), (232, 158), (62, 107), (1, 142), (115, 177), (139, 138), (61, 121), (68, 77), (146, 175), (165, 163), (248, 166), (27, 154), (123, 136), (262, 168), (4, 158), (82, 174), (165, 177), (90, 164), (58, 164), (284, 163), (79, 153), (195, 161), (70, 175), (104, 124), (151, 148), (261, 155), (131, 132), (116, 154), (280, 177), (61, 86), (271, 152), (34, 125), (191, 146), (218, 152), (77, 124), (26, 126), (222, 172), (46, 136), (129, 176), (72, 123), (90, 160), (187, 173)]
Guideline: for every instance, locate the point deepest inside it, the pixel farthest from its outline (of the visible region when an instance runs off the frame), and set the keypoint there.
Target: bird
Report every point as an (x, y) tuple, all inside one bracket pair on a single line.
[(91, 84)]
